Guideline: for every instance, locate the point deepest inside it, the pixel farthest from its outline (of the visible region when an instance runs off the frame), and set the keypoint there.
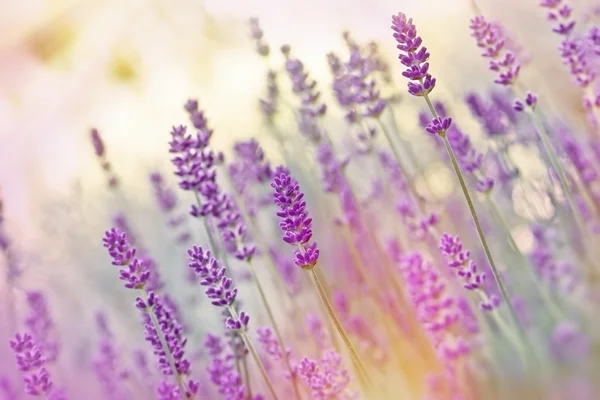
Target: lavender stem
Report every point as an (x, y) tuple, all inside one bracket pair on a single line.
[(338, 325), (252, 350)]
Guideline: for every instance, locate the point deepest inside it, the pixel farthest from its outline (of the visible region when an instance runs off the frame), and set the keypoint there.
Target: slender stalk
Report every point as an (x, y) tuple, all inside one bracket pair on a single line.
[(275, 327), (481, 235), (211, 240), (247, 376), (252, 350), (164, 345), (478, 227), (338, 325)]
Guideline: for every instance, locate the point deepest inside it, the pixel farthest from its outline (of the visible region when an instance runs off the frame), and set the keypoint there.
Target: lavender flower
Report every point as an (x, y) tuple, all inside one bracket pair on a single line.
[(459, 260), (490, 37), (220, 289), (106, 363), (327, 378), (162, 330), (294, 220), (40, 326), (100, 151), (248, 170), (257, 35), (305, 88), (31, 362), (268, 105), (413, 56)]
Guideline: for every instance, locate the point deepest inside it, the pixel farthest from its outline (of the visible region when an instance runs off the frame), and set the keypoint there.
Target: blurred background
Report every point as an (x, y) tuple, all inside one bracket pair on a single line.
[(126, 67)]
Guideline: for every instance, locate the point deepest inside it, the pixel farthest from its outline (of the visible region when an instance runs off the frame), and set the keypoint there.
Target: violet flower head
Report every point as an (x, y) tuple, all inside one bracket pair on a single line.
[(100, 151), (294, 220), (97, 142), (304, 87), (268, 105), (269, 343), (194, 164), (257, 35), (106, 363), (40, 325), (221, 369), (219, 288), (436, 309), (559, 11), (439, 126), (354, 87), (413, 56), (489, 116), (459, 260), (174, 336), (490, 38), (582, 162), (134, 271), (327, 378), (31, 362), (166, 198)]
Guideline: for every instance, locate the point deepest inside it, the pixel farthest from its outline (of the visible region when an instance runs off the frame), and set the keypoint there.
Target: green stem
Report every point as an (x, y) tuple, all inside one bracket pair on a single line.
[(275, 327), (211, 240), (252, 350), (338, 325), (246, 376)]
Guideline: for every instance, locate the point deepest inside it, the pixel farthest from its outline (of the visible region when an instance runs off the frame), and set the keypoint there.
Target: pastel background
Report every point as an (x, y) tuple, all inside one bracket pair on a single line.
[(126, 67)]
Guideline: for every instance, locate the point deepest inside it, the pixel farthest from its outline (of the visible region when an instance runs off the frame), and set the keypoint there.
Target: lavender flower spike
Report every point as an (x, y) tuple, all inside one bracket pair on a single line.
[(31, 362), (295, 222), (297, 228), (222, 293)]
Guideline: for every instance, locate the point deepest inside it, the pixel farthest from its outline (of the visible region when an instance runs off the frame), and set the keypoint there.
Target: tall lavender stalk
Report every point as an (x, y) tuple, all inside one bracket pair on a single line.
[(162, 331), (297, 227), (222, 293), (415, 58)]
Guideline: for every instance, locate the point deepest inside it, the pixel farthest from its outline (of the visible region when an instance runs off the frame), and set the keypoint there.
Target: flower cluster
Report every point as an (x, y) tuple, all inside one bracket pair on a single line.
[(195, 164), (134, 271), (248, 170), (268, 105), (220, 289), (490, 116), (303, 86), (257, 35), (100, 151), (490, 38), (459, 260), (294, 220), (326, 378), (354, 86), (436, 309), (106, 363), (560, 11), (413, 56), (32, 363), (40, 325)]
